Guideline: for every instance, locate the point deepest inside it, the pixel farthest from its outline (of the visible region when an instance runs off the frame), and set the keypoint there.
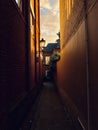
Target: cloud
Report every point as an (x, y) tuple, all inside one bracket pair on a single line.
[(45, 3), (49, 19)]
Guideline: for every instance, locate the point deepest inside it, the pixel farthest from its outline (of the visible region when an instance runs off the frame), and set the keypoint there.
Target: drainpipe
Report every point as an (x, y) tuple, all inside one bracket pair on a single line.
[(87, 64), (39, 39), (35, 51)]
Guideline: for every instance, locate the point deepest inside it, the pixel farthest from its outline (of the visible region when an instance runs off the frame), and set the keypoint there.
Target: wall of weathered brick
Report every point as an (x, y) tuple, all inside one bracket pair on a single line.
[(77, 68), (12, 56), (17, 61)]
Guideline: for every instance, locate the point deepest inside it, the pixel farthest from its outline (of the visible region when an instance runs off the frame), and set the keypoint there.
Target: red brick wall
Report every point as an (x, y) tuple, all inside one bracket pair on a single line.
[(17, 53), (17, 59), (12, 55)]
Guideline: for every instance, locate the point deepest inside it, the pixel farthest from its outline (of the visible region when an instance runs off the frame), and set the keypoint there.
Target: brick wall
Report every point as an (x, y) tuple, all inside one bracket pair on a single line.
[(12, 56), (17, 61), (78, 58)]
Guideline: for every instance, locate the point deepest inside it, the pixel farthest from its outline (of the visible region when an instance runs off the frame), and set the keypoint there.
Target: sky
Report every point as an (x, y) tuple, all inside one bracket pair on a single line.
[(49, 20)]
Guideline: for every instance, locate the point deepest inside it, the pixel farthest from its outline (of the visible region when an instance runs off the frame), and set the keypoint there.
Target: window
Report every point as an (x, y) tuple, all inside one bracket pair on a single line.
[(19, 3), (47, 60), (69, 5)]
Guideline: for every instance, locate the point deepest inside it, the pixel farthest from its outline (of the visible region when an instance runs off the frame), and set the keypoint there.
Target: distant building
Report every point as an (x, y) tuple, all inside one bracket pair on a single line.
[(47, 53)]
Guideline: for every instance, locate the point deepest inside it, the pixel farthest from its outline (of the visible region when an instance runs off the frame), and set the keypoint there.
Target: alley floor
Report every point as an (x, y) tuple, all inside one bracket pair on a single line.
[(48, 113)]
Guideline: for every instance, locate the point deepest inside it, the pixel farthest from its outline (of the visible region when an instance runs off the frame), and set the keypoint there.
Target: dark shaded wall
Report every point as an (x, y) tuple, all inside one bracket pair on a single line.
[(12, 57), (77, 72), (18, 67), (93, 64), (16, 53)]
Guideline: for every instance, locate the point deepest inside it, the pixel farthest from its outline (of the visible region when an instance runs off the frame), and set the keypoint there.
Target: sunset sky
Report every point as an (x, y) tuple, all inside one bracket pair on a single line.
[(49, 19)]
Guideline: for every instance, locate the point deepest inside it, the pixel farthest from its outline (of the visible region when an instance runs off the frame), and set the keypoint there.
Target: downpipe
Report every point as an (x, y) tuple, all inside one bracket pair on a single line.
[(87, 64)]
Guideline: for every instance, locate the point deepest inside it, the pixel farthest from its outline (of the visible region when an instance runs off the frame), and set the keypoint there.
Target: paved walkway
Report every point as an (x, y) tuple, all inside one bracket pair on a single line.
[(49, 113)]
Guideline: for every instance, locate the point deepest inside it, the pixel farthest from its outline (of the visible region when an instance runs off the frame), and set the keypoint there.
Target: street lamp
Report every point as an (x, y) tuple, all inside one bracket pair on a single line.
[(42, 43), (42, 48)]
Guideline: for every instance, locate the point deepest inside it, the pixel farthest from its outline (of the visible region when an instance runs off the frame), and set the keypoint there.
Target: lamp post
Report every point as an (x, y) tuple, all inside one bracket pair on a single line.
[(42, 43), (42, 46)]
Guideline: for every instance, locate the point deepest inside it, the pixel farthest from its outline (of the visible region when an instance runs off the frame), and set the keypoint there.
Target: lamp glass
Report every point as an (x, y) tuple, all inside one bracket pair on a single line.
[(42, 43)]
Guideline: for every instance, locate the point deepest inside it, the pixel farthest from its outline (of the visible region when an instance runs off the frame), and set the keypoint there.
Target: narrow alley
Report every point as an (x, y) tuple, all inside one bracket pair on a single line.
[(50, 113), (48, 64)]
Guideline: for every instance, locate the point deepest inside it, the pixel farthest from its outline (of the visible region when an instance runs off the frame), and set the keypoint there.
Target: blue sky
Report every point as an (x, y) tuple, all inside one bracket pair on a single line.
[(49, 23)]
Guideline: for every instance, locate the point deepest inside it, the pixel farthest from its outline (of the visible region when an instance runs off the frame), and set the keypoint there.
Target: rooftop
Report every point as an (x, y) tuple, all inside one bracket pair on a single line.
[(51, 46)]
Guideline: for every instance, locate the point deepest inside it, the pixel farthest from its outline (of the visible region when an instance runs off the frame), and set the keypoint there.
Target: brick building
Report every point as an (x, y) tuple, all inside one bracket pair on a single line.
[(77, 71), (19, 71)]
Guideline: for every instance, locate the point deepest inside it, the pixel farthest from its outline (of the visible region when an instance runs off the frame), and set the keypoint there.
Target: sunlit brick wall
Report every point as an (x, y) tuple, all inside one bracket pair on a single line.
[(73, 14), (78, 57), (32, 45), (37, 28)]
